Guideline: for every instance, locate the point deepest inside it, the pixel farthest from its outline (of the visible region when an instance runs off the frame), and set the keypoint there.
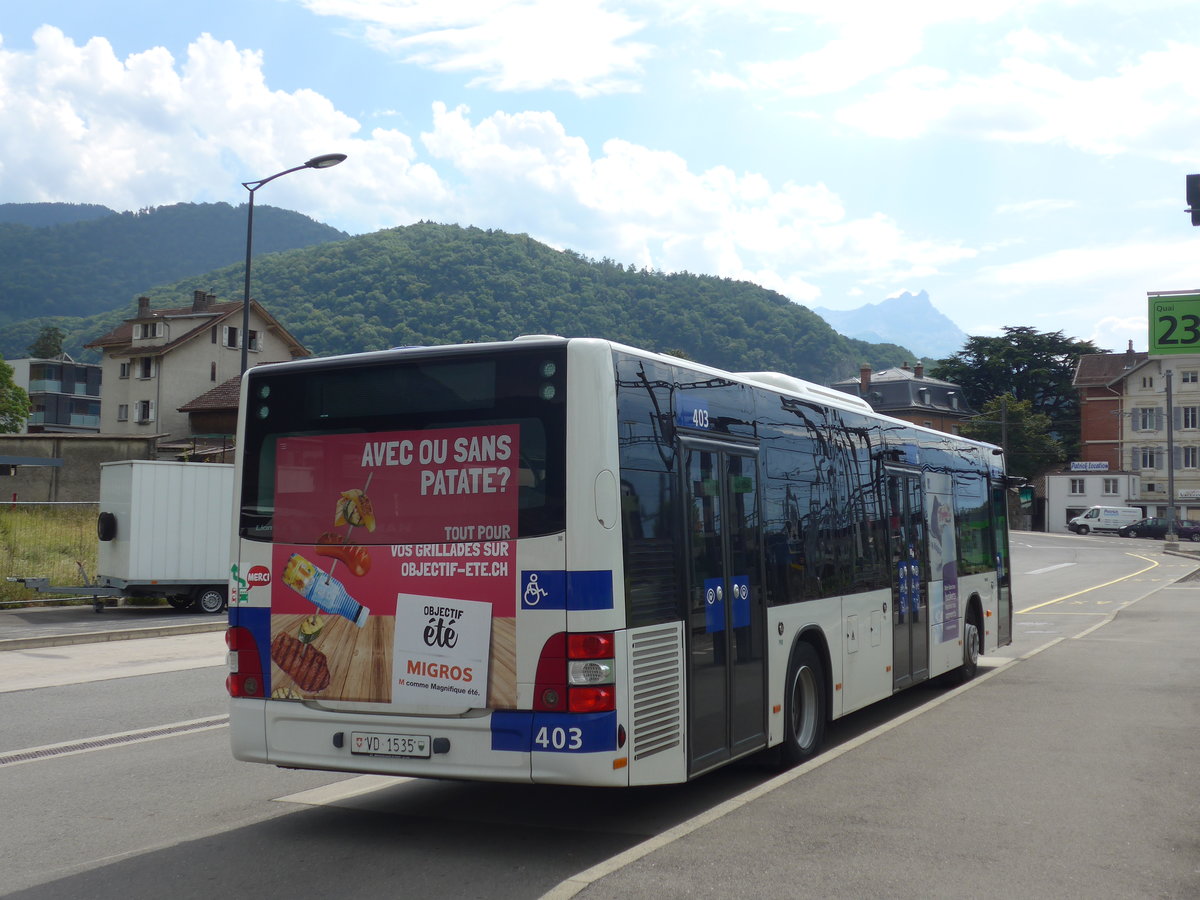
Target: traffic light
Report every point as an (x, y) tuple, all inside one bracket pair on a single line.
[(1193, 198)]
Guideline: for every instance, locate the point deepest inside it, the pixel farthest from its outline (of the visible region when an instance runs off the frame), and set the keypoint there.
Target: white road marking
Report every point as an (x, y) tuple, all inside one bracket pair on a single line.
[(1050, 569), (111, 741), (331, 794)]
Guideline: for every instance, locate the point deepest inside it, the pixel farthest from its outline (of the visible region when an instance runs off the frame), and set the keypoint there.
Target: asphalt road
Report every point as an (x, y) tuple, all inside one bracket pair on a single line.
[(1068, 769)]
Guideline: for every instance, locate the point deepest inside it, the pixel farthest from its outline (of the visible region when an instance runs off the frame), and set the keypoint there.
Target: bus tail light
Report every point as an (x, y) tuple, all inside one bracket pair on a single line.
[(576, 673), (245, 667)]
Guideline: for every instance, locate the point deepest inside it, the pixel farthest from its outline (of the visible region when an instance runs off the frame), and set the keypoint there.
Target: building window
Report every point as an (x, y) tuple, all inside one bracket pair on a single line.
[(1078, 486), (229, 336), (125, 369), (1190, 458), (145, 411), (1148, 382), (1111, 487), (1189, 376), (123, 412), (927, 424), (255, 344), (146, 367), (1189, 416), (212, 371), (149, 330), (213, 334), (1148, 457), (1146, 418)]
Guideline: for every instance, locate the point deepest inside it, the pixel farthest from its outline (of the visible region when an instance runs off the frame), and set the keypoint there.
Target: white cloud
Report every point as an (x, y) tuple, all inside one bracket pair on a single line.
[(78, 124), (1151, 262), (584, 46), (1150, 105), (650, 208)]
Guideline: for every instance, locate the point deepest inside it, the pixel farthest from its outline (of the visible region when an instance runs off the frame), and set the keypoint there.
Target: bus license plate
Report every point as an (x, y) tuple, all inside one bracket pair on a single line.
[(372, 744)]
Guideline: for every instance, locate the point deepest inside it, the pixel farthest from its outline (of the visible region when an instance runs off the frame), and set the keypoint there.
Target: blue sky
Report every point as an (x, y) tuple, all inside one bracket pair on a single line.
[(1021, 161)]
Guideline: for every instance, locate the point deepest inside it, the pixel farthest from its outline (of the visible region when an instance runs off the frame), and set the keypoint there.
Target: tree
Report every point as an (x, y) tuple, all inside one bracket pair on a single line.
[(1024, 433), (48, 344), (1027, 365), (14, 402)]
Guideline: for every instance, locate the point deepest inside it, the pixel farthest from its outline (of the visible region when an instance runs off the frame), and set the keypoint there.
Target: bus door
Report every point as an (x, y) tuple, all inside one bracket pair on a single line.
[(1003, 577), (726, 614), (910, 574)]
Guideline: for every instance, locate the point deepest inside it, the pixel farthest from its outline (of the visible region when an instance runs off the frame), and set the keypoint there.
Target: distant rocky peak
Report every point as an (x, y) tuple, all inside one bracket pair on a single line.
[(908, 319)]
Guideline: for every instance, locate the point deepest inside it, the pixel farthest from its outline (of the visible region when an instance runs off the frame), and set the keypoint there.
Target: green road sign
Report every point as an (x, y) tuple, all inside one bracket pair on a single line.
[(1175, 324)]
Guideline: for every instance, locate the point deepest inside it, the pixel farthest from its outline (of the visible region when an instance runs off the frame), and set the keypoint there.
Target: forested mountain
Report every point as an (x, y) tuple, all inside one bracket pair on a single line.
[(41, 215), (85, 263), (436, 284)]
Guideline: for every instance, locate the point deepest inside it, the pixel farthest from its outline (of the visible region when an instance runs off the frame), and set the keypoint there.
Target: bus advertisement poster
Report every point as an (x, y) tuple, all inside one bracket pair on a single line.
[(943, 559), (394, 567)]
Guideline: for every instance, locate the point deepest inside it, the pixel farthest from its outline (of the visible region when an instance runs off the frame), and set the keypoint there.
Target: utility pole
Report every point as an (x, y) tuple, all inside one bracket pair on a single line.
[(1171, 538)]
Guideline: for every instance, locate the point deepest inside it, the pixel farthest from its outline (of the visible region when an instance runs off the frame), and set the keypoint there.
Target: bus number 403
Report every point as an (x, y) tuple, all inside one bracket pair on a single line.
[(559, 738)]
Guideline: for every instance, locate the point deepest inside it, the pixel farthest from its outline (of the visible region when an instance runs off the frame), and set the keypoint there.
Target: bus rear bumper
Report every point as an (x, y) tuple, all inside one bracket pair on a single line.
[(483, 748)]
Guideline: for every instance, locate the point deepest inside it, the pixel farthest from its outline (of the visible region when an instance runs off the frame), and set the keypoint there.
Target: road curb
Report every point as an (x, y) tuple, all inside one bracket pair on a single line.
[(95, 637)]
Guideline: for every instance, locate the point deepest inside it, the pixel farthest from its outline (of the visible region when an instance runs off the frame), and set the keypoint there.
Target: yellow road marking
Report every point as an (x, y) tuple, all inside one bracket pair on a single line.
[(1153, 565)]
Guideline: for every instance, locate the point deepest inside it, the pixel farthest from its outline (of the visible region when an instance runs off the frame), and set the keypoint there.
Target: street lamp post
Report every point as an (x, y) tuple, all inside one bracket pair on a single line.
[(317, 162)]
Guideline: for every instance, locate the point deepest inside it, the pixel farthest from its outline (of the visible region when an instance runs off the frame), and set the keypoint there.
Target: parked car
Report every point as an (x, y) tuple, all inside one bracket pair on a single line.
[(1156, 527)]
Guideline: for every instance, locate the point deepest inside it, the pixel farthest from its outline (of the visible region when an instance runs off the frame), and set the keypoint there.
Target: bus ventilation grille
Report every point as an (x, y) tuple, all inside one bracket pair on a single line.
[(657, 659)]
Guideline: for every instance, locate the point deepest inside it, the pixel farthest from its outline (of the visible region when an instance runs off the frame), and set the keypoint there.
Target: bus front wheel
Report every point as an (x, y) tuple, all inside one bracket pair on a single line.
[(804, 706), (970, 664)]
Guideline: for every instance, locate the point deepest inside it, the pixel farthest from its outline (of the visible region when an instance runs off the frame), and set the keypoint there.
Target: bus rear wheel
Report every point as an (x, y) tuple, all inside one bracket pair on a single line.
[(804, 706)]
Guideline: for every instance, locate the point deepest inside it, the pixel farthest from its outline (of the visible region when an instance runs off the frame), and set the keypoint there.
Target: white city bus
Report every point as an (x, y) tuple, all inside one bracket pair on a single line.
[(575, 562)]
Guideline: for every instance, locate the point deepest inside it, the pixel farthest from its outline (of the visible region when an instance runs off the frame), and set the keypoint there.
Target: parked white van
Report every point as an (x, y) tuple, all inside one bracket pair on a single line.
[(1104, 518)]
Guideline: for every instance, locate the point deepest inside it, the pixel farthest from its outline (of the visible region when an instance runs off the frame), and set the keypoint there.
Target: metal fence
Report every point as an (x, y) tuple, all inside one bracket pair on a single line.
[(45, 540)]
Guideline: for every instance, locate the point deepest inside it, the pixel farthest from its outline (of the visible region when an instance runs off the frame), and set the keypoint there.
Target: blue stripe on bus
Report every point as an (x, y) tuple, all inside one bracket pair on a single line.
[(556, 589), (547, 732)]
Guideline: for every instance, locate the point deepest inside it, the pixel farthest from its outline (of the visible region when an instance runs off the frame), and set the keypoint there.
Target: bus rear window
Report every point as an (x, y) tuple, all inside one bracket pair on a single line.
[(452, 421)]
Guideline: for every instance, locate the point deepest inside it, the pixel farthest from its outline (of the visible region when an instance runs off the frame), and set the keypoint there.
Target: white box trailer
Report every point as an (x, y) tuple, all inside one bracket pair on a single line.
[(165, 530)]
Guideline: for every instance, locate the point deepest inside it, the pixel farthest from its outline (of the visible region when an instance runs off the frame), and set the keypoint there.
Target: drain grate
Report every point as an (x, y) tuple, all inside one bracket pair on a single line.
[(112, 740)]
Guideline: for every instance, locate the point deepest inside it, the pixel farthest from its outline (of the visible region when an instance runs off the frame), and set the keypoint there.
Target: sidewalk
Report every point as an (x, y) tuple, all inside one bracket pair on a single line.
[(54, 626), (1074, 772)]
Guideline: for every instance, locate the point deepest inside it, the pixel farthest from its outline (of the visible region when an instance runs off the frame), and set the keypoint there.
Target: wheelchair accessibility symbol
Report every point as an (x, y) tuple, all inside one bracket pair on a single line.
[(533, 591)]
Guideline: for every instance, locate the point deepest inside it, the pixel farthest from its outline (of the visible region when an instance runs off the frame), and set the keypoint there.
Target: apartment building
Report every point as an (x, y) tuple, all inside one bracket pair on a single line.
[(162, 359), (908, 393), (1133, 442), (64, 395)]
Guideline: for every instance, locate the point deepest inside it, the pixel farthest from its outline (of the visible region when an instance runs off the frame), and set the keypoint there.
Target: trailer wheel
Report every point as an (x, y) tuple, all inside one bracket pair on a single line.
[(210, 600)]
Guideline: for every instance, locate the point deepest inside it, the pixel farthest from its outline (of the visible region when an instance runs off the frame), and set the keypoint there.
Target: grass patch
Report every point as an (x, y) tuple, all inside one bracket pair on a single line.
[(46, 540)]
